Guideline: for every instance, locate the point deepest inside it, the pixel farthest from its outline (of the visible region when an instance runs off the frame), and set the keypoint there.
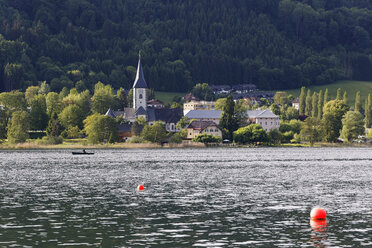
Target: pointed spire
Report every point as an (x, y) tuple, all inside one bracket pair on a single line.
[(140, 81)]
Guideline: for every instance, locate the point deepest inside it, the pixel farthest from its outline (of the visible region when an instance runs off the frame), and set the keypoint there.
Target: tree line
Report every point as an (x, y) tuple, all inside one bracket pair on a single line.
[(273, 44)]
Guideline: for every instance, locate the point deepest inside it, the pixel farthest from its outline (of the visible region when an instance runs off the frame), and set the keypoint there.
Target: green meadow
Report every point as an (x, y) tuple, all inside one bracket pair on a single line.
[(351, 87), (167, 97)]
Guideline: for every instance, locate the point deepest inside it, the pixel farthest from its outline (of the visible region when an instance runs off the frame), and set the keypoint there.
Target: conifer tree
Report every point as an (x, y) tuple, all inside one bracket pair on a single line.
[(338, 97), (345, 97), (308, 103), (314, 103), (228, 120), (302, 101), (358, 105), (320, 105), (368, 117), (325, 97)]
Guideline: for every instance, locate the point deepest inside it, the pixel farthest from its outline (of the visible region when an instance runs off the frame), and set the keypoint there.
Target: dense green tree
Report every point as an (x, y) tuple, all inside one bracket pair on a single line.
[(302, 100), (228, 119), (103, 98), (311, 130), (38, 114), (352, 126), (54, 128), (3, 123), (100, 128), (31, 92), (136, 129), (358, 104), (203, 92), (250, 134), (155, 133), (53, 103), (13, 101), (18, 127), (333, 113), (281, 98), (72, 116)]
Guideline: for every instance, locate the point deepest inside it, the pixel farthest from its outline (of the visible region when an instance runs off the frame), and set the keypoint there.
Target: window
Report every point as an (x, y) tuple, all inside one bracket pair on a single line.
[(140, 96)]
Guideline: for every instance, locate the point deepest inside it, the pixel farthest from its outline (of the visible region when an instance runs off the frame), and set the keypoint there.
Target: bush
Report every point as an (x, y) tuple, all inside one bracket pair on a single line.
[(251, 134), (49, 140), (176, 139), (136, 139), (207, 138)]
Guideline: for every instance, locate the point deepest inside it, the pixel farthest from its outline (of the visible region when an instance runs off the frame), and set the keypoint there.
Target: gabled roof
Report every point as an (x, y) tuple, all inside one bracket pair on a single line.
[(204, 114), (141, 111), (165, 115), (259, 113), (201, 125), (140, 81), (110, 113)]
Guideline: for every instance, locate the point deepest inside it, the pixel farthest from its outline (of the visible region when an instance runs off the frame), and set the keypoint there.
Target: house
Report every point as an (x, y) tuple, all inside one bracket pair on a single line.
[(296, 103), (220, 89), (244, 88), (200, 127), (151, 111), (190, 97), (266, 118), (155, 104), (205, 115), (198, 105)]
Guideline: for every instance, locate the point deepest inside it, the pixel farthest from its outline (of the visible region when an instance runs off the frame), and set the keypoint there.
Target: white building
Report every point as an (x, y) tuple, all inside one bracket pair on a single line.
[(266, 118)]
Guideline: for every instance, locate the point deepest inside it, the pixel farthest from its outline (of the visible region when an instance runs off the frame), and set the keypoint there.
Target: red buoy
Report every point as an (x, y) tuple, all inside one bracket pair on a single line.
[(318, 214), (140, 187)]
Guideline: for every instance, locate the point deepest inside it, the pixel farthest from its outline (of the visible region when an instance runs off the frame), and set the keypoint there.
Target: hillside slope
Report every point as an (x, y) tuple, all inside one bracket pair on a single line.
[(273, 44)]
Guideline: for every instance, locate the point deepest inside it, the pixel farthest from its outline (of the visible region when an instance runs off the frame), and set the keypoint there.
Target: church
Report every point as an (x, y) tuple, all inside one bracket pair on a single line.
[(168, 116)]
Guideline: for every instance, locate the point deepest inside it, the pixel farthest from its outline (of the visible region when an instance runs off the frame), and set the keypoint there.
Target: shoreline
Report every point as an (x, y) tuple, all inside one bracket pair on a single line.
[(72, 146)]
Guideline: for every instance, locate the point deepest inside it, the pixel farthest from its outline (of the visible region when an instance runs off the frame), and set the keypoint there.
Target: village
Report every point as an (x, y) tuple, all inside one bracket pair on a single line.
[(203, 116)]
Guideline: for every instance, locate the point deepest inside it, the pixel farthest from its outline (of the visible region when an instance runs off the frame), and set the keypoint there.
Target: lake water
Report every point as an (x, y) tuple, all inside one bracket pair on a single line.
[(193, 198)]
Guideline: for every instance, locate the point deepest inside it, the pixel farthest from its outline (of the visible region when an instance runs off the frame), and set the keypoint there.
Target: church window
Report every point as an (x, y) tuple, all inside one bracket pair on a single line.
[(140, 96)]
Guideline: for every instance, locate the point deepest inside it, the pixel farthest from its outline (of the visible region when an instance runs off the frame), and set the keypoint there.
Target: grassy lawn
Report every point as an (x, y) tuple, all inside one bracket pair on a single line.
[(351, 88), (167, 97)]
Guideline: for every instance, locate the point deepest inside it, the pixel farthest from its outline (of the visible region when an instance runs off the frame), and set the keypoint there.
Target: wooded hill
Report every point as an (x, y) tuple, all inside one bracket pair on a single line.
[(273, 44)]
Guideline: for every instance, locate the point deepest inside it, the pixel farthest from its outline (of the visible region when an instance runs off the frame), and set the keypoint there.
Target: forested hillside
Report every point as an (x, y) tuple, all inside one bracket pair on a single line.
[(271, 43)]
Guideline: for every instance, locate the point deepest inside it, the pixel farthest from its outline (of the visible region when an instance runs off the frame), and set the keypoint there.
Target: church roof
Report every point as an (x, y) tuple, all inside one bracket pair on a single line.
[(140, 81), (110, 113), (141, 111)]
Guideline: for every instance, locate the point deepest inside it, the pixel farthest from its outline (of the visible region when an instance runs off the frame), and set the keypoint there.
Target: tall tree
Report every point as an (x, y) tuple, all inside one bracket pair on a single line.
[(314, 103), (358, 104), (352, 126), (368, 110), (54, 126), (302, 100), (100, 128), (338, 95), (308, 103), (345, 97), (325, 96), (38, 114), (311, 130), (320, 105), (228, 120), (18, 127), (333, 113)]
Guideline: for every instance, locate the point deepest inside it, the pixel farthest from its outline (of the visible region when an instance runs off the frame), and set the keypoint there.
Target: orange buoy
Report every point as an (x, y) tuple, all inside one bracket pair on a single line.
[(140, 187), (318, 214)]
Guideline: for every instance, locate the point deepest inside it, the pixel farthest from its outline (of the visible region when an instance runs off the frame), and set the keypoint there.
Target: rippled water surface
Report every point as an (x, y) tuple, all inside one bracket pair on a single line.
[(192, 198)]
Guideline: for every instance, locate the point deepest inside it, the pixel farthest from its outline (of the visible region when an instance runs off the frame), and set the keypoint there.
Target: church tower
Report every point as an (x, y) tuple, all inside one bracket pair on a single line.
[(139, 91)]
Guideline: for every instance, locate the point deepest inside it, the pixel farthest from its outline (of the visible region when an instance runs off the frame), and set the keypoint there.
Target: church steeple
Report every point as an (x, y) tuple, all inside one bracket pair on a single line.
[(139, 89), (140, 81)]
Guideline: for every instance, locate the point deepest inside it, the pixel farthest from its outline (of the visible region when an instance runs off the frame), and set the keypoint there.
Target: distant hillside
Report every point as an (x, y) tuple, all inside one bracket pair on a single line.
[(274, 44), (351, 88)]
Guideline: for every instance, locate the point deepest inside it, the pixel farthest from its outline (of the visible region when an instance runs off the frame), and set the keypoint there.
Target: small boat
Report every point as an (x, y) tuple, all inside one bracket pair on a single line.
[(83, 153)]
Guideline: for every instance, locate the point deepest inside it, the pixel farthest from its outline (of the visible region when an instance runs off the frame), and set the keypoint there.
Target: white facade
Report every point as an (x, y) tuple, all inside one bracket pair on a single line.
[(266, 118), (139, 98)]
